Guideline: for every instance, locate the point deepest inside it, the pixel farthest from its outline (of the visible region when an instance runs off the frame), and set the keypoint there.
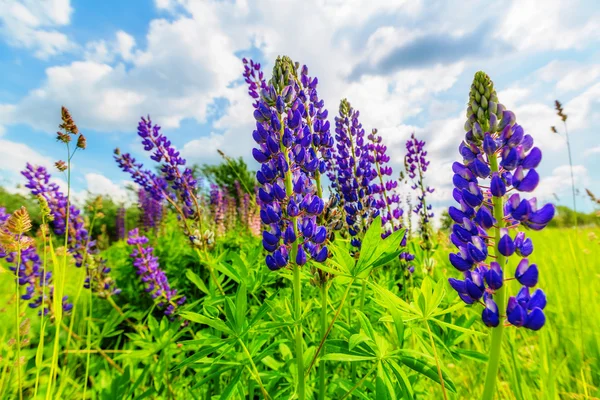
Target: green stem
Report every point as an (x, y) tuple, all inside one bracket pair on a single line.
[(299, 344), (437, 361), (499, 297), (18, 319), (323, 332), (254, 370), (88, 342), (572, 179)]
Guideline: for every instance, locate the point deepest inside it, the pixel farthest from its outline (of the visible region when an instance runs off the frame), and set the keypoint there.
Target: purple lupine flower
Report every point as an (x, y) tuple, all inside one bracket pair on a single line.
[(79, 244), (498, 157), (30, 274), (353, 173), (288, 156), (151, 210), (120, 222), (386, 199), (153, 278), (218, 209), (416, 166), (155, 186), (254, 77), (182, 182)]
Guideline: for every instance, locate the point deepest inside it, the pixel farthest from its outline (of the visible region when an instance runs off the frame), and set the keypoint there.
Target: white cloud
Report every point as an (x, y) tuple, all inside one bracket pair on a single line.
[(33, 25), (558, 185), (592, 151), (555, 24), (98, 184), (570, 76)]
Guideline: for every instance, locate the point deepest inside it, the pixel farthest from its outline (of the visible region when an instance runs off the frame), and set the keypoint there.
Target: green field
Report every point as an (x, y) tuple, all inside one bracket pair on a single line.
[(561, 361)]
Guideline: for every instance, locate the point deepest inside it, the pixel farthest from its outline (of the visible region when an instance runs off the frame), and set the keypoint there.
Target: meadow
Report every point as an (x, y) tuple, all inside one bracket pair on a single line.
[(305, 279)]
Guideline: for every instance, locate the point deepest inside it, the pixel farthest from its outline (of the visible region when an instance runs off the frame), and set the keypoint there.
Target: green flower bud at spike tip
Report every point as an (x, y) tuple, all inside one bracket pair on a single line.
[(283, 72), (345, 107), (483, 113)]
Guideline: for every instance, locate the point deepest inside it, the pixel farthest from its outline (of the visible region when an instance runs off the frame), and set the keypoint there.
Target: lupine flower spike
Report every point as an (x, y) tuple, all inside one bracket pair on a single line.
[(353, 173), (153, 278), (499, 155), (416, 166)]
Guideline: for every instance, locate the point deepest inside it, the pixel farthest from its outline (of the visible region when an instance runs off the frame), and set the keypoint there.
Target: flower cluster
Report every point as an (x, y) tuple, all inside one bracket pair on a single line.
[(416, 166), (79, 243), (287, 151), (386, 199), (353, 173), (496, 149), (28, 270), (176, 184), (218, 208), (153, 278), (151, 210)]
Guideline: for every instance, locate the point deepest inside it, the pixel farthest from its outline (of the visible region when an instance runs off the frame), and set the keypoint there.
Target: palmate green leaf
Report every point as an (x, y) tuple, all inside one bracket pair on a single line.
[(196, 280), (212, 322), (341, 259), (241, 266), (382, 391), (376, 251), (425, 365)]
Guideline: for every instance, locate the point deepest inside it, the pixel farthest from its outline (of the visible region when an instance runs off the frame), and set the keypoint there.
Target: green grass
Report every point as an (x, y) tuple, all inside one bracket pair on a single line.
[(562, 361)]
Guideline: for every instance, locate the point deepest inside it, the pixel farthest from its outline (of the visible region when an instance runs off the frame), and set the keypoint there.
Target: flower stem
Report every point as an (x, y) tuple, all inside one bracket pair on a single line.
[(323, 332), (18, 319), (499, 297), (299, 344)]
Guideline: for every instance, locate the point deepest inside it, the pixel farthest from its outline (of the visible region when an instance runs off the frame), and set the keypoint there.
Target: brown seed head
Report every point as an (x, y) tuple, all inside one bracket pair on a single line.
[(68, 124), (81, 142), (19, 222), (63, 137), (60, 165)]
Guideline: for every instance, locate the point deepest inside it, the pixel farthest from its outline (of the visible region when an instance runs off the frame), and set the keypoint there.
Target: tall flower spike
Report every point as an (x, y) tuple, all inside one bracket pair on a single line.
[(80, 245), (387, 200), (497, 157), (416, 166), (153, 278), (290, 204), (354, 173)]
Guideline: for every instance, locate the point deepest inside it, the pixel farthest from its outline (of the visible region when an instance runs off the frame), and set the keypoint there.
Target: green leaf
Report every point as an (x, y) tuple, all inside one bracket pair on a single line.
[(346, 357), (228, 391), (241, 306), (212, 322), (199, 355), (426, 366), (357, 339), (402, 379), (196, 280), (369, 245)]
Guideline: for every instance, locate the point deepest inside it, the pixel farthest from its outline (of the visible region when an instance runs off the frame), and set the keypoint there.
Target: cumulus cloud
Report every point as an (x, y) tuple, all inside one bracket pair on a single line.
[(34, 25)]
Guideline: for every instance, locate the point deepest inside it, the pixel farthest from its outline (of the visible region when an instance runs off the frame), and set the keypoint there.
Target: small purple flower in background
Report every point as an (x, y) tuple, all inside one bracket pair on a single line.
[(353, 173), (498, 151), (386, 198), (153, 278), (416, 166), (218, 209), (79, 244), (120, 222), (151, 210), (288, 157)]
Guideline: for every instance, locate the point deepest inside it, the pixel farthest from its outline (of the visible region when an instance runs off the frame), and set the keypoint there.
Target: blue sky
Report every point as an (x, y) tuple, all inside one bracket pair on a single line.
[(407, 65)]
